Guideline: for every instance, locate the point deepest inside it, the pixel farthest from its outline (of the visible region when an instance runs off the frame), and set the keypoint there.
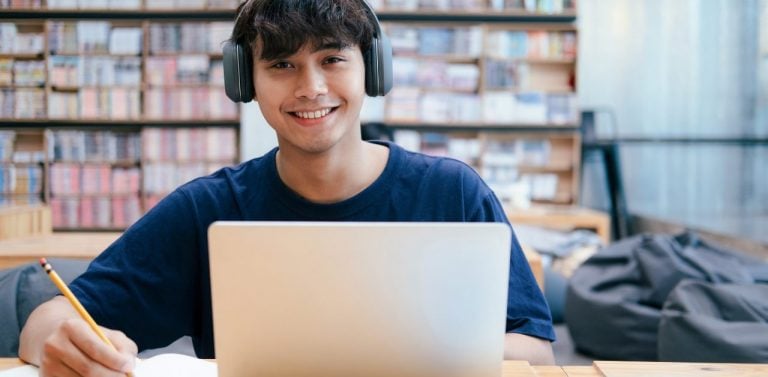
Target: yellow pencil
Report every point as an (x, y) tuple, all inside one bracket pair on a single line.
[(75, 302)]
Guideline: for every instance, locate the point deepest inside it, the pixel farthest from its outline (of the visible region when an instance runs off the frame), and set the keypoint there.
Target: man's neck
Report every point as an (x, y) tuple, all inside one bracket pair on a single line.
[(332, 177)]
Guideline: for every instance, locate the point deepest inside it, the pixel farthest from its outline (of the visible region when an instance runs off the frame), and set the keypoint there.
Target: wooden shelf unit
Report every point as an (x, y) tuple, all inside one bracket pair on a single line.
[(545, 71), (31, 131)]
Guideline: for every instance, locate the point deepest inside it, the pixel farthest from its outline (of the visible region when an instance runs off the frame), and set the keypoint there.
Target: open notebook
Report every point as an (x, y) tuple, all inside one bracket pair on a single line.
[(165, 365)]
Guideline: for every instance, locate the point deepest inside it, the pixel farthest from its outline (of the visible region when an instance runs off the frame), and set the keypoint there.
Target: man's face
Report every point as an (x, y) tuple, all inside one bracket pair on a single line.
[(312, 99)]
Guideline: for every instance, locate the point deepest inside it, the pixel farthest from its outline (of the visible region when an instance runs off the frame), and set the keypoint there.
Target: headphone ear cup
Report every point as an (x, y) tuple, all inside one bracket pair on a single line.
[(249, 92), (384, 58), (370, 61), (238, 72), (378, 67)]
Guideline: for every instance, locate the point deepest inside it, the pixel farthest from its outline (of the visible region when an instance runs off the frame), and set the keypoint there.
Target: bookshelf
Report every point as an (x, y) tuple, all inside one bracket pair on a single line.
[(106, 106), (492, 83)]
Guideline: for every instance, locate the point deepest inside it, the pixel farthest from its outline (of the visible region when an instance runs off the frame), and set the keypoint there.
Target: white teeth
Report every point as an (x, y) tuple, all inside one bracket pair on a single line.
[(313, 114)]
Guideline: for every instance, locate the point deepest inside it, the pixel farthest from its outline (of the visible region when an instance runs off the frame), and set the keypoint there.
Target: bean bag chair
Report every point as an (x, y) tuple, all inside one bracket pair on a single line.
[(614, 300), (22, 289), (719, 323)]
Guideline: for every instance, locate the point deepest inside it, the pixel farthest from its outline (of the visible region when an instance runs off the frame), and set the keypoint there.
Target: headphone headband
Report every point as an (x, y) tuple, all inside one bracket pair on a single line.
[(238, 61)]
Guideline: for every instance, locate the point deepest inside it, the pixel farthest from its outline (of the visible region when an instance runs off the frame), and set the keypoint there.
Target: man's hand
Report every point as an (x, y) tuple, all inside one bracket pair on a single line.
[(523, 347), (62, 344)]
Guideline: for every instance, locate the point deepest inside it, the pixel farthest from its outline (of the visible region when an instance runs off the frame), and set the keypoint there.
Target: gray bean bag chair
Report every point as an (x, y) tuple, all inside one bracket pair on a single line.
[(614, 300), (22, 289), (719, 323)]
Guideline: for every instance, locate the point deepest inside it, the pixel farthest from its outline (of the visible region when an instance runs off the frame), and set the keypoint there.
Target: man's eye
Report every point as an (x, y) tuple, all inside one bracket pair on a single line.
[(281, 65), (334, 59)]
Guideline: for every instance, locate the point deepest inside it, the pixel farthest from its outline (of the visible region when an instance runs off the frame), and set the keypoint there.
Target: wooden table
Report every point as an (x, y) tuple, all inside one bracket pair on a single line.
[(65, 245), (563, 218), (600, 369)]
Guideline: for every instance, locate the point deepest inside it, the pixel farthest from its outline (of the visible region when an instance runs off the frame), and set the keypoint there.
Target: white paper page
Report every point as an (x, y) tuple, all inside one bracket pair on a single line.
[(25, 371), (165, 365), (174, 365)]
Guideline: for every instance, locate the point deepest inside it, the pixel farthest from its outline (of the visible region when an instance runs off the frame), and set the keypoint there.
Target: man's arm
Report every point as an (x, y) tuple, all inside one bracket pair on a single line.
[(57, 340), (523, 347)]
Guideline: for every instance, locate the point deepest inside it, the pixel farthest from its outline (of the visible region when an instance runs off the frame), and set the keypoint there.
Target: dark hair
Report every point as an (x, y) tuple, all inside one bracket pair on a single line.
[(285, 26)]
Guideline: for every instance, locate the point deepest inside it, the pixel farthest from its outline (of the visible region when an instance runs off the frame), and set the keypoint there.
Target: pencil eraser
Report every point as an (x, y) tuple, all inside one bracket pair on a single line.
[(43, 262)]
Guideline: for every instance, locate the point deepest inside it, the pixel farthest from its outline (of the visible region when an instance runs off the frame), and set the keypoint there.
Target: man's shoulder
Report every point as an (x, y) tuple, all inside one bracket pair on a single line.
[(426, 163), (439, 173)]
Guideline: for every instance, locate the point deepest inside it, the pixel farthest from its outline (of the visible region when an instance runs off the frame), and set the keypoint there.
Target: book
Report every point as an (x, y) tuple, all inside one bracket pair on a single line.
[(29, 73), (6, 71), (20, 4), (223, 4), (62, 37), (124, 4), (93, 36), (125, 40), (92, 4), (164, 365), (7, 141), (63, 70), (62, 4), (14, 41), (28, 103), (7, 97)]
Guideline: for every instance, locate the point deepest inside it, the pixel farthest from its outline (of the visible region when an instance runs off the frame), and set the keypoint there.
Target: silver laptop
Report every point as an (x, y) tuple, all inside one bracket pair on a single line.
[(359, 299)]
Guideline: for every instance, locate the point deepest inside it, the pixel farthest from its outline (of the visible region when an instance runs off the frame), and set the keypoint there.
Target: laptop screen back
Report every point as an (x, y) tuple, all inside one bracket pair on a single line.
[(359, 299)]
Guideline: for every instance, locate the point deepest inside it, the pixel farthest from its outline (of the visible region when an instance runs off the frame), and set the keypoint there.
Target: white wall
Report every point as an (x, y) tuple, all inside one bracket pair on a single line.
[(256, 137), (681, 68)]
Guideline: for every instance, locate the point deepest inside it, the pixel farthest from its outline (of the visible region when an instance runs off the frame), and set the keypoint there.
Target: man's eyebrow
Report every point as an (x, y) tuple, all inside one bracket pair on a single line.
[(329, 45)]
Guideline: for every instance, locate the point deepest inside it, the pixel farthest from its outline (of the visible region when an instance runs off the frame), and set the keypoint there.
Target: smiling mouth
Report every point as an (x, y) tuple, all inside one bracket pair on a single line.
[(317, 114)]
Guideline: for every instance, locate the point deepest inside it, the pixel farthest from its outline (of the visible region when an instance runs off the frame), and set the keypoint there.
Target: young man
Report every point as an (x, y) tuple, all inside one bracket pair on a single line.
[(152, 285)]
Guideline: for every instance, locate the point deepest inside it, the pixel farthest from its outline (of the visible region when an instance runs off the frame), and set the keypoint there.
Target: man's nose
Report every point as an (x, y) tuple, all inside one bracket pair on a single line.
[(311, 83)]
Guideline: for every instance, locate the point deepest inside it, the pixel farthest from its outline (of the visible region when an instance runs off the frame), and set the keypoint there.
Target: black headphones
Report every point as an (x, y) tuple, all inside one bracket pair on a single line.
[(238, 66)]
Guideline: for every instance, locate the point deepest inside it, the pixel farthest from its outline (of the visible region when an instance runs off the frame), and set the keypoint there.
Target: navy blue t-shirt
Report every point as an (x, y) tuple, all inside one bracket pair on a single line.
[(153, 282)]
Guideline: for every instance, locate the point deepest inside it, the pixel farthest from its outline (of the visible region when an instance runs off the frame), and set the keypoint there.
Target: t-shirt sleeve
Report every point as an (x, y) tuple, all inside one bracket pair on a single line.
[(527, 310), (146, 283)]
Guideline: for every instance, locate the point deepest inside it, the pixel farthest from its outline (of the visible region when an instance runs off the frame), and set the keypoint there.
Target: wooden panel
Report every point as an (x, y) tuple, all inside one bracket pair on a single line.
[(549, 371), (8, 363), (656, 369), (581, 371), (24, 221), (517, 368), (563, 218), (63, 245)]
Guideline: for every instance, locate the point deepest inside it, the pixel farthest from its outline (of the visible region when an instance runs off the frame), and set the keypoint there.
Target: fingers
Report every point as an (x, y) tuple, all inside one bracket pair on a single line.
[(75, 350), (124, 345), (121, 342), (50, 369)]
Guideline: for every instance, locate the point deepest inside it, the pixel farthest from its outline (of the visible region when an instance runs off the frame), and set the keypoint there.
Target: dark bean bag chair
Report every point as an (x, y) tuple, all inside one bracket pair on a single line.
[(614, 300), (719, 323), (22, 289)]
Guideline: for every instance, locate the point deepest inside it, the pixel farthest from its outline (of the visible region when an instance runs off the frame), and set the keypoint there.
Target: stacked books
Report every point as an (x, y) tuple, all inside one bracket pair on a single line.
[(82, 146), (192, 4), (94, 4), (535, 44), (188, 103), (174, 156), (13, 41), (21, 179), (22, 103), (94, 178), (28, 73), (20, 4)]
